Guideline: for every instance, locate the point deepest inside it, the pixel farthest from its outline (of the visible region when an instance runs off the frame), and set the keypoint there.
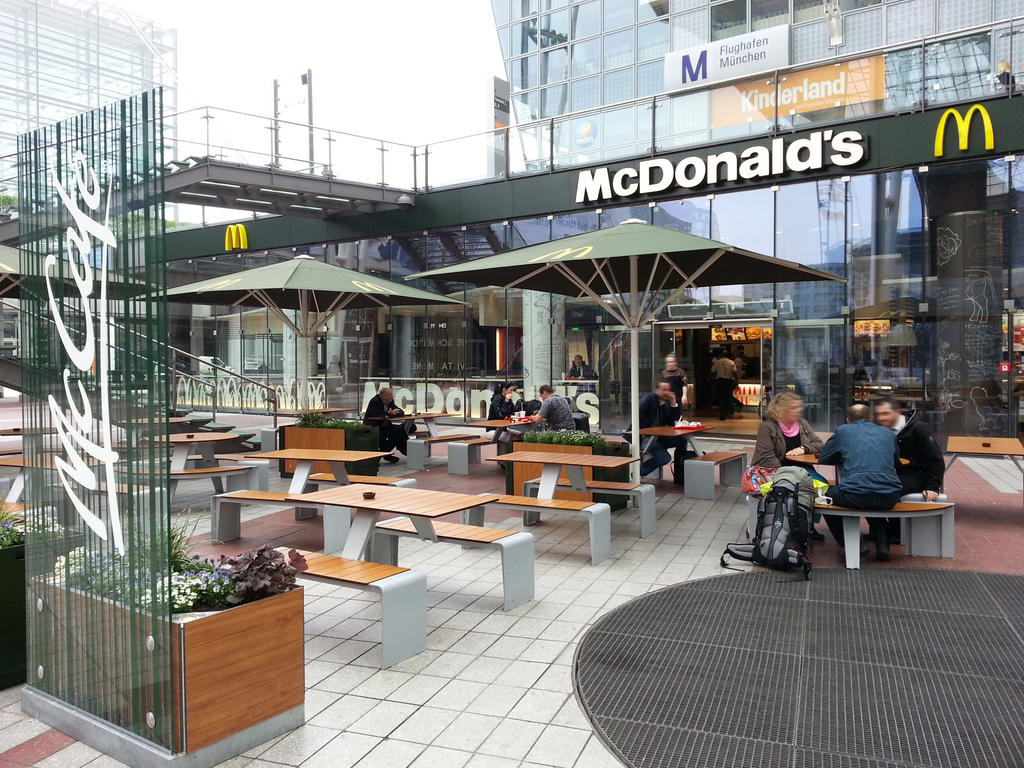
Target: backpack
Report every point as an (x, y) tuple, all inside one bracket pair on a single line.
[(784, 519)]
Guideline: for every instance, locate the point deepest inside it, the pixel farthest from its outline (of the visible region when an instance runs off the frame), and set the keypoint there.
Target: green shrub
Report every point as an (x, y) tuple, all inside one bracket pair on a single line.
[(313, 420), (565, 437)]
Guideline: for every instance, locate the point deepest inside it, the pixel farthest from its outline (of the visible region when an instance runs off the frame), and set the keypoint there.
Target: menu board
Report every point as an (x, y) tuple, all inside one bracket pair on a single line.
[(736, 334), (718, 334), (869, 329), (753, 334)]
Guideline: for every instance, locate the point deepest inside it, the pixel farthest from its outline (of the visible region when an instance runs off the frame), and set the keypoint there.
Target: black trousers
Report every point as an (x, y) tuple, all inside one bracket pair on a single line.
[(723, 393), (877, 525), (392, 436)]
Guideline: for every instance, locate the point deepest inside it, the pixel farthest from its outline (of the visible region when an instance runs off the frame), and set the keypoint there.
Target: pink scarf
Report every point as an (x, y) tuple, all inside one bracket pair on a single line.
[(790, 430)]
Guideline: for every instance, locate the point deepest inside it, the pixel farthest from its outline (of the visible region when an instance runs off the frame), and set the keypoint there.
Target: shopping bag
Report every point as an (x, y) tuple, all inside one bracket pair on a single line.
[(754, 477)]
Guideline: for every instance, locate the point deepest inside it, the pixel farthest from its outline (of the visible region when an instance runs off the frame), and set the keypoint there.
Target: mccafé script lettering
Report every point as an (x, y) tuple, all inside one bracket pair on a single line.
[(842, 149), (91, 351)]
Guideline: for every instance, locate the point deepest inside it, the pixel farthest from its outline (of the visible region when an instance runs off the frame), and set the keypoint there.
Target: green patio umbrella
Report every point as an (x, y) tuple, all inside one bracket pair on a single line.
[(628, 268), (317, 290)]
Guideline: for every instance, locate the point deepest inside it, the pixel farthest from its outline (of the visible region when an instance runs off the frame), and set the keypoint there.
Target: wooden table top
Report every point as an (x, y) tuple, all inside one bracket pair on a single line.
[(317, 454), (986, 446), (670, 431), (812, 458), (408, 417), (13, 431), (496, 423), (200, 437), (565, 459), (17, 460), (402, 501)]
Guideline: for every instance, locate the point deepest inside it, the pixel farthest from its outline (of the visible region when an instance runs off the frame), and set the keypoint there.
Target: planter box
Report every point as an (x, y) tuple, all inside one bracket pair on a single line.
[(517, 474), (12, 616), (229, 670), (367, 439), (238, 667)]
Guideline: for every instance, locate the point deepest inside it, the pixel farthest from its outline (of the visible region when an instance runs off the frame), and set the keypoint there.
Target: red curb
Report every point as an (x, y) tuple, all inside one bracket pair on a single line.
[(35, 749)]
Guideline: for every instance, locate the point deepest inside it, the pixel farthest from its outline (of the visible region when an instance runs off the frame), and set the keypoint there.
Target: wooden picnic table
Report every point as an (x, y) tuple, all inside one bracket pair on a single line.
[(349, 535), (18, 431), (985, 447), (183, 442), (306, 458), (427, 418), (18, 484), (572, 463)]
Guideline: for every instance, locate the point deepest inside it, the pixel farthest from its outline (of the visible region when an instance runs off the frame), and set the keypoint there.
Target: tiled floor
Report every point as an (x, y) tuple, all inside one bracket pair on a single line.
[(493, 688)]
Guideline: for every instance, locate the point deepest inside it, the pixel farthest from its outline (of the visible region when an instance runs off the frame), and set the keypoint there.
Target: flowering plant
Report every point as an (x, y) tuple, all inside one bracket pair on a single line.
[(12, 528)]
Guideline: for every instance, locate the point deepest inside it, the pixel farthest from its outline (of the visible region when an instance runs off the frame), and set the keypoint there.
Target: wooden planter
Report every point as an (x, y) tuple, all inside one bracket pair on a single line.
[(12, 616), (517, 474), (237, 668), (230, 670), (367, 439)]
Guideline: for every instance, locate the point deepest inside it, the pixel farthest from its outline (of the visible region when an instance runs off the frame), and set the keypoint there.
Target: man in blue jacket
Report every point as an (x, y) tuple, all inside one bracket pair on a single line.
[(868, 455)]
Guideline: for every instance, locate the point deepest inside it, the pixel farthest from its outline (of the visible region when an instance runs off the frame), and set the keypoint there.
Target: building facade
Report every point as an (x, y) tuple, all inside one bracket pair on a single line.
[(896, 168)]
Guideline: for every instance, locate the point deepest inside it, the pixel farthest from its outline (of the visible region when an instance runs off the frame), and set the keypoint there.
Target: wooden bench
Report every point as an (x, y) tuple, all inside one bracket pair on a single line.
[(516, 551), (462, 453), (641, 494), (598, 514), (403, 599), (418, 448), (699, 472), (237, 478), (928, 528)]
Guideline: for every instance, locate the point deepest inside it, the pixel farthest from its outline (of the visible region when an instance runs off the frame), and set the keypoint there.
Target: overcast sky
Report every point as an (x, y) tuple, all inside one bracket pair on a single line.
[(412, 71)]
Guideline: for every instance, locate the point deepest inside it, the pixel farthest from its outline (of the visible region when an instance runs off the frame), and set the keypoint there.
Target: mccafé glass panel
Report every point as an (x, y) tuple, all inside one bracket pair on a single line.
[(95, 415)]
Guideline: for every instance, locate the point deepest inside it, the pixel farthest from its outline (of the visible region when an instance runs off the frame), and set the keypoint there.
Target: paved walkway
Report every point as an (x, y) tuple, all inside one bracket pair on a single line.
[(493, 688)]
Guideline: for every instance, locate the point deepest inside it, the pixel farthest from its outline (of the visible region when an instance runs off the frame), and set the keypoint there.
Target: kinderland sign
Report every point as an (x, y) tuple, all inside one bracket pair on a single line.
[(739, 56)]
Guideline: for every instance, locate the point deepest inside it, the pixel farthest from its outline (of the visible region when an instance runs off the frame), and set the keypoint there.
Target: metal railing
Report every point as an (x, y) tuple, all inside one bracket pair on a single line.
[(915, 75), (240, 391)]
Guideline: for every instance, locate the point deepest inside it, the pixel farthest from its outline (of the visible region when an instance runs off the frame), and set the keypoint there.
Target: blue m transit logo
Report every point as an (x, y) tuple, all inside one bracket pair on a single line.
[(692, 72)]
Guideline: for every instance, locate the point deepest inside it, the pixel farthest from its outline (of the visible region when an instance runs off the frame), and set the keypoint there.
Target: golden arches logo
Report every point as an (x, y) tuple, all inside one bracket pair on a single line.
[(236, 238), (564, 253), (366, 285), (963, 128)]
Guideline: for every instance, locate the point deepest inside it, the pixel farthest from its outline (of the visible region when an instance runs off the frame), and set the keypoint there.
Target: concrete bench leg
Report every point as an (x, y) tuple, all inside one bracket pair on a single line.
[(243, 481), (405, 482), (403, 609), (260, 475), (648, 514), (517, 569), (731, 471), (851, 541), (458, 458), (931, 536), (383, 548), (530, 516), (599, 519), (337, 522), (416, 454), (225, 520), (700, 479), (473, 516)]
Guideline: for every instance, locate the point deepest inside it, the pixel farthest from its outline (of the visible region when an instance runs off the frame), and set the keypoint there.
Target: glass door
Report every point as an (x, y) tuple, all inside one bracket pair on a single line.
[(809, 361)]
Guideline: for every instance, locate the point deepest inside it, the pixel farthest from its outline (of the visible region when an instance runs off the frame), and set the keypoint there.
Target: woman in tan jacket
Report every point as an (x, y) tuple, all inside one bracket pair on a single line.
[(784, 432)]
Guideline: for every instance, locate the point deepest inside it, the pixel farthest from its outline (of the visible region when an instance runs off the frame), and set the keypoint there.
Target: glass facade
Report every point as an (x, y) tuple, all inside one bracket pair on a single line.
[(934, 261)]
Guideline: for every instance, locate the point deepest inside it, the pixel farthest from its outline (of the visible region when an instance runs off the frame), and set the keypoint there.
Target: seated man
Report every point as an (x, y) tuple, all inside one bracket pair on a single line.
[(391, 435), (868, 455), (660, 409), (556, 411), (923, 474)]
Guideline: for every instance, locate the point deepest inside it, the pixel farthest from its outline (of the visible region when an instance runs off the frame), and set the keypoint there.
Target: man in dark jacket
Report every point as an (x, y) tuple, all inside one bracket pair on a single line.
[(925, 468), (868, 455), (391, 435), (660, 409)]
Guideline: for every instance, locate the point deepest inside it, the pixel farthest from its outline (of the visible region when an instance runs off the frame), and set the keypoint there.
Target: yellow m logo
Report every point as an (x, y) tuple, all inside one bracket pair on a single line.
[(564, 253), (366, 285), (235, 238), (963, 128)]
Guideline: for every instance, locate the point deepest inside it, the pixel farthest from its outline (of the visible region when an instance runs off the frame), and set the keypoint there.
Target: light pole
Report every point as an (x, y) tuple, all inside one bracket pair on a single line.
[(307, 80)]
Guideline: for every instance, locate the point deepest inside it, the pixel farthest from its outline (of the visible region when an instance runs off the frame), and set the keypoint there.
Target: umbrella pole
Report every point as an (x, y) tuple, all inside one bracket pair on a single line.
[(634, 399)]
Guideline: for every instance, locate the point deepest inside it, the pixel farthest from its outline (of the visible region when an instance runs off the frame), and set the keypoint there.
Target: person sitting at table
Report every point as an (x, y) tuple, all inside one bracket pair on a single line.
[(868, 454), (660, 409), (784, 433), (392, 436), (925, 466), (505, 402), (554, 410), (580, 370)]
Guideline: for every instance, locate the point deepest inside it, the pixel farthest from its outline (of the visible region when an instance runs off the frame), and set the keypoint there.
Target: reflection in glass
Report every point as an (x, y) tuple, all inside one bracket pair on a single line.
[(652, 40), (554, 29), (586, 57), (728, 19), (585, 19)]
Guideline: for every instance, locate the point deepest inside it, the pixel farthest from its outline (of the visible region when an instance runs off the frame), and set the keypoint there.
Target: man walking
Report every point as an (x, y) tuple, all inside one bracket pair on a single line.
[(868, 455), (723, 378)]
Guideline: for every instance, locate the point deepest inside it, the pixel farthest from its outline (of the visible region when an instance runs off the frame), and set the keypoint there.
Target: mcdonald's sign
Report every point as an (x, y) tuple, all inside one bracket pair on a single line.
[(236, 238), (564, 253), (963, 128)]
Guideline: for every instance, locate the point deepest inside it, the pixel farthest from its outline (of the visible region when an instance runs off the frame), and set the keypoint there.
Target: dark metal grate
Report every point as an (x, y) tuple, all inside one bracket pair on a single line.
[(881, 668)]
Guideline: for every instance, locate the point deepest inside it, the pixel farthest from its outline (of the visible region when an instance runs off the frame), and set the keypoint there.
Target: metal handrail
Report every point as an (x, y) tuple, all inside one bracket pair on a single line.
[(269, 393)]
